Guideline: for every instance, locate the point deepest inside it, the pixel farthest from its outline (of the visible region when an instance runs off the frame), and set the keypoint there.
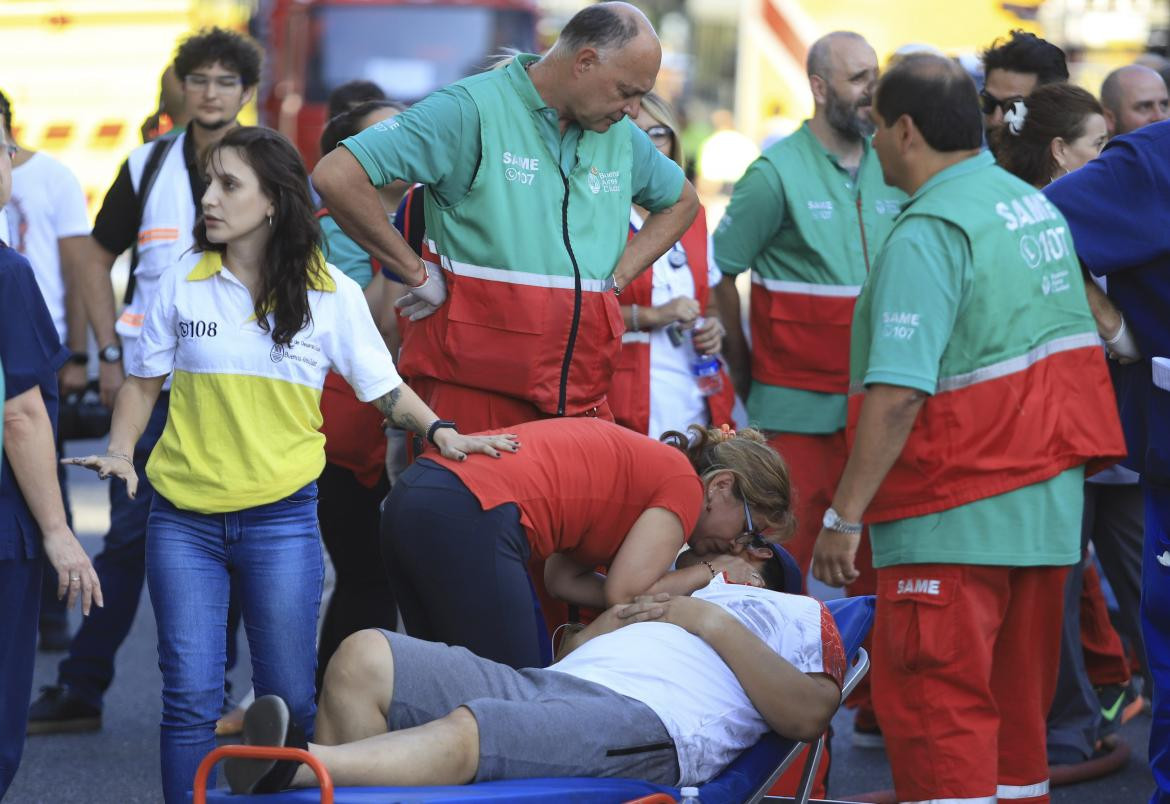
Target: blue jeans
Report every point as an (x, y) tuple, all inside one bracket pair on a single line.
[(88, 670), (271, 555)]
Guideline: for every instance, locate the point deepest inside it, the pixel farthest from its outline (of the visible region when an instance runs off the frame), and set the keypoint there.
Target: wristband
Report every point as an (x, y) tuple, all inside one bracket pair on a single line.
[(710, 567), (438, 424)]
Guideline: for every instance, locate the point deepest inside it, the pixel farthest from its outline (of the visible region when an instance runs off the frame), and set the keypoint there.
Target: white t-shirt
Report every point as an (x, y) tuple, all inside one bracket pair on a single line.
[(47, 205), (675, 401), (691, 689)]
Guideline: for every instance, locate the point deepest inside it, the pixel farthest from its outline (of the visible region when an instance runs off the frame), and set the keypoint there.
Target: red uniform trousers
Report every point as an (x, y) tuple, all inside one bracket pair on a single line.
[(815, 464), (475, 409), (1105, 659), (964, 670)]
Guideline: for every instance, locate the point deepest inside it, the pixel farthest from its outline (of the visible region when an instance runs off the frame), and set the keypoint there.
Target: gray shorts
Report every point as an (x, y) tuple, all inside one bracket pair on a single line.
[(532, 722)]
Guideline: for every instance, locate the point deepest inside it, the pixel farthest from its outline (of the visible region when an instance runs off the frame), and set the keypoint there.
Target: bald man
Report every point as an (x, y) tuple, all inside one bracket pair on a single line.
[(1133, 96), (806, 219), (530, 172)]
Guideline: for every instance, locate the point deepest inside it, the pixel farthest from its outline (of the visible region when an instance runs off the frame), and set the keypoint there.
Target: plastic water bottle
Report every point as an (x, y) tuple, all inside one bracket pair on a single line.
[(690, 795), (706, 369)]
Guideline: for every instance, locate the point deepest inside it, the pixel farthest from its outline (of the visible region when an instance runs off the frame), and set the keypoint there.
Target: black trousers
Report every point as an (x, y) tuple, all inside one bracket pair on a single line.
[(349, 515)]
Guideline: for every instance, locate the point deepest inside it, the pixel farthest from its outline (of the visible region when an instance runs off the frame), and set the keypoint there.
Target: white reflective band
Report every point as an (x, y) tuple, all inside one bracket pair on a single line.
[(1015, 365), (977, 800), (1016, 791), (807, 288), (636, 337), (520, 277), (1161, 367)]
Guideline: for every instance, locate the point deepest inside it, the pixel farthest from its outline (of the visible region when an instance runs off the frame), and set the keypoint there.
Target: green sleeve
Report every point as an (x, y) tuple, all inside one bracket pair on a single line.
[(657, 181), (435, 142), (344, 253), (915, 291), (752, 219)]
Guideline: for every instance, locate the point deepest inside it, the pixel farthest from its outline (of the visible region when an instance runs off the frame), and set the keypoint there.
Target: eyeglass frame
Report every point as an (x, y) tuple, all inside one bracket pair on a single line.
[(750, 536), (659, 131), (986, 99), (200, 81)]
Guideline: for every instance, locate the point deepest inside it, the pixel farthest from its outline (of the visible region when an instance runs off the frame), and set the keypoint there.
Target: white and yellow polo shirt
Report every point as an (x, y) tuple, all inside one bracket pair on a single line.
[(243, 427)]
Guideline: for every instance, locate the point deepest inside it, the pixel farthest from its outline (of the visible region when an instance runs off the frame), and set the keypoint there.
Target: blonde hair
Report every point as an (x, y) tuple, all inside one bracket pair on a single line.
[(661, 110), (761, 475)]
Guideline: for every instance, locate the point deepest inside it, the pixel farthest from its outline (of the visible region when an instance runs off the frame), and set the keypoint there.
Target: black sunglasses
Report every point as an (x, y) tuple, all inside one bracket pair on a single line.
[(989, 103)]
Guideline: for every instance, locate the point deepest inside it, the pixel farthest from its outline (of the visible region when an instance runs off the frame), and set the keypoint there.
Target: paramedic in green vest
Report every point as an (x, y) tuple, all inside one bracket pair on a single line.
[(806, 219), (979, 393), (530, 171)]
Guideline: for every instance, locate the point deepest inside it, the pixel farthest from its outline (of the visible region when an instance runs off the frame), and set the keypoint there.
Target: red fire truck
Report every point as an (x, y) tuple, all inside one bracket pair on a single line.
[(408, 47)]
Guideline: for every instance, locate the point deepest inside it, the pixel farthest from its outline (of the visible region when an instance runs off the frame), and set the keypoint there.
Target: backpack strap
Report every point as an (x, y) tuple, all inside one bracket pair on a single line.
[(158, 152)]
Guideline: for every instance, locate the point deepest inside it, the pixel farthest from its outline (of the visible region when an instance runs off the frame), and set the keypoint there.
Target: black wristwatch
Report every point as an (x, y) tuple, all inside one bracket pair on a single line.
[(78, 358), (438, 424), (111, 353)]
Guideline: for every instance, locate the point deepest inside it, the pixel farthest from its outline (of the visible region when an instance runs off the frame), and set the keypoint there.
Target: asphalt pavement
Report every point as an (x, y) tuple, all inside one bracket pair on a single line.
[(119, 764)]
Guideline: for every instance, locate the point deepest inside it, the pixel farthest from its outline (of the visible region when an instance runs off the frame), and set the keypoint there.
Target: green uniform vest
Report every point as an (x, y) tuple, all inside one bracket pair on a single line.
[(1023, 392), (529, 254), (807, 279)]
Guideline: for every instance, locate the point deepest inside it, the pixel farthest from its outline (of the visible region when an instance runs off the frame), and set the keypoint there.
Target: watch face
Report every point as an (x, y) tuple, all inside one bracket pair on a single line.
[(111, 353)]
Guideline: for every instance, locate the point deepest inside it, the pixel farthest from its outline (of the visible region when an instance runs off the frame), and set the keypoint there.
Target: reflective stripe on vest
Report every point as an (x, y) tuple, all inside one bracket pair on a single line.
[(528, 253), (800, 333), (1024, 393)]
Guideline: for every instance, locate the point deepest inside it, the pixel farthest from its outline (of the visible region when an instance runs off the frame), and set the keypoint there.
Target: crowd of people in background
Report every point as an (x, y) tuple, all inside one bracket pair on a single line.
[(487, 355)]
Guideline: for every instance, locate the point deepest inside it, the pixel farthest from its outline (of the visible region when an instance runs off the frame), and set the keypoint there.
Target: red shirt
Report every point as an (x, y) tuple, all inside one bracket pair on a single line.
[(581, 483)]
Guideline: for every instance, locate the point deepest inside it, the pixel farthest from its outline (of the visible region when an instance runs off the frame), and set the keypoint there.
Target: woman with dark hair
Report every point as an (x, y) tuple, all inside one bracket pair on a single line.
[(1054, 131), (249, 333), (584, 493)]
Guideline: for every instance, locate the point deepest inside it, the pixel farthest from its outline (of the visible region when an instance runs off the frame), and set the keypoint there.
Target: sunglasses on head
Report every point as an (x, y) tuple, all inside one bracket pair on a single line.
[(989, 103)]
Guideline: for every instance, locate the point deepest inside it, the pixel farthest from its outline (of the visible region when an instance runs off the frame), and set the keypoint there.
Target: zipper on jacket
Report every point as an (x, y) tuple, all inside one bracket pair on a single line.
[(576, 300), (861, 226)]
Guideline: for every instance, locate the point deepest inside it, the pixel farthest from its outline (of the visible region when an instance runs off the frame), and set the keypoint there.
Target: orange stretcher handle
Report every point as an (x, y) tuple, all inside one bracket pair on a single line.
[(654, 798), (261, 752)]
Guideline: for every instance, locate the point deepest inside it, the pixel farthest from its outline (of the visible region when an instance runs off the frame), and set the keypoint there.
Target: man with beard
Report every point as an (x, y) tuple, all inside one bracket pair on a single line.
[(1014, 68), (151, 207), (807, 218)]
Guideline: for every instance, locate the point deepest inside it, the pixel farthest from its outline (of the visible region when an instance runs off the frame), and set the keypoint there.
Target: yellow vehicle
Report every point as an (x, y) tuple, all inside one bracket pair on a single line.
[(774, 36), (83, 75)]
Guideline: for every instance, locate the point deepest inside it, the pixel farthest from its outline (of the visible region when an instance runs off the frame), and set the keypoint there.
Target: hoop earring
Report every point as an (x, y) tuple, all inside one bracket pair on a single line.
[(270, 221)]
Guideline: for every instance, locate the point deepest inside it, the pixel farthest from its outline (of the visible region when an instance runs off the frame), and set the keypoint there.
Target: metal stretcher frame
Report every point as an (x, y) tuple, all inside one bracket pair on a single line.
[(747, 779)]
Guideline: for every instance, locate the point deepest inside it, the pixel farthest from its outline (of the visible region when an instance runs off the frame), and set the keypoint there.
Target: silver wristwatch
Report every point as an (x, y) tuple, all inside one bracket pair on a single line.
[(833, 521)]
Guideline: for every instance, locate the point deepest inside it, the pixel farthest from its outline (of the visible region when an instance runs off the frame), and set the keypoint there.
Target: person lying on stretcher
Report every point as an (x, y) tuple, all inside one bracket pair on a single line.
[(665, 689)]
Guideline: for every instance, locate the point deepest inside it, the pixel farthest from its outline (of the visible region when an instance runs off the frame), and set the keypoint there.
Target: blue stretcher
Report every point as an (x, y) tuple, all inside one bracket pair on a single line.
[(747, 779)]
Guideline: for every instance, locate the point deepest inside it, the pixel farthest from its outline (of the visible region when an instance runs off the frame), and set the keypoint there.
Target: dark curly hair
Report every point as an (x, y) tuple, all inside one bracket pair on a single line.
[(761, 475), (292, 258), (1027, 53), (232, 50)]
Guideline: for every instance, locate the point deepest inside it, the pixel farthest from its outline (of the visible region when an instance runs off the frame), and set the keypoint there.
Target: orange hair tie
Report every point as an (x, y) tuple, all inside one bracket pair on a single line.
[(727, 431)]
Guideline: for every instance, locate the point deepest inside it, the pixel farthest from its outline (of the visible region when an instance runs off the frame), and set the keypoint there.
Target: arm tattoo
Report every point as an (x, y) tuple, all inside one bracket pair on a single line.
[(388, 405)]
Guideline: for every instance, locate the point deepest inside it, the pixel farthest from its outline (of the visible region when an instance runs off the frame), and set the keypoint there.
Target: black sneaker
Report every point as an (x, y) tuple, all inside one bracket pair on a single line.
[(57, 711), (267, 722)]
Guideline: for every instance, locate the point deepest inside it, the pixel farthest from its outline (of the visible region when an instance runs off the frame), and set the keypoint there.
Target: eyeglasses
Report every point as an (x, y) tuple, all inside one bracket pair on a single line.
[(750, 536), (659, 133), (989, 103), (201, 81)]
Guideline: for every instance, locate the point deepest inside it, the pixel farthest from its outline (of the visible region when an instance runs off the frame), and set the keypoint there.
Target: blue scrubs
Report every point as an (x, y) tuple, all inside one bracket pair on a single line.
[(1118, 208), (31, 354)]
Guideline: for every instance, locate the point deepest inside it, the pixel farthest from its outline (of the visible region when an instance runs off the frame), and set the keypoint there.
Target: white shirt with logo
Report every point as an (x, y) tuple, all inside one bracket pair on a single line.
[(692, 690)]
